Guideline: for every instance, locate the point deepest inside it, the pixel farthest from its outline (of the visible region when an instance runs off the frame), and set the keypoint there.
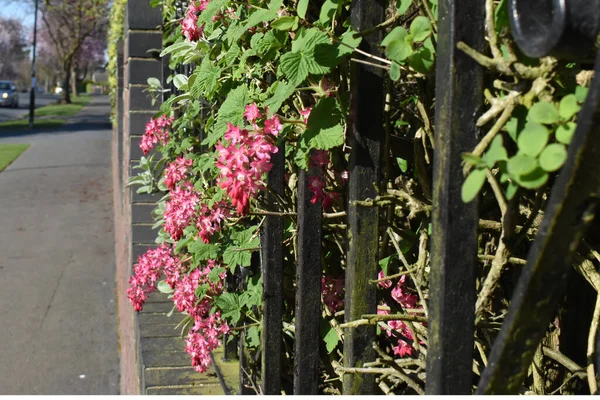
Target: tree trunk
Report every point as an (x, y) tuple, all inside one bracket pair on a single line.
[(74, 80), (67, 81)]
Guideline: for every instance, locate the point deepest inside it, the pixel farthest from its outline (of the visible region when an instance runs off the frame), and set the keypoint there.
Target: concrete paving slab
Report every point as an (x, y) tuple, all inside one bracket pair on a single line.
[(57, 302)]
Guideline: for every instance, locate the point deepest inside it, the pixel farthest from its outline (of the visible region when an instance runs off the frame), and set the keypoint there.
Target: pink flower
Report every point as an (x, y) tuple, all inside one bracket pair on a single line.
[(330, 197), (189, 27), (333, 290), (273, 126), (156, 130), (203, 338), (316, 185), (235, 134), (406, 300), (305, 114), (148, 270), (252, 113), (243, 162), (385, 284), (180, 209), (320, 158), (177, 171)]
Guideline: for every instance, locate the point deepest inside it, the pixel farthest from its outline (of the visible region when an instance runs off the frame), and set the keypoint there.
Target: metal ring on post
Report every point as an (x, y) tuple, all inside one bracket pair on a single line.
[(564, 29)]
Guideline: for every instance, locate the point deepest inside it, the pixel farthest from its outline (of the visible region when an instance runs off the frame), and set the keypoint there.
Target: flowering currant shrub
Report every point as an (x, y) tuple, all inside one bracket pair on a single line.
[(270, 79)]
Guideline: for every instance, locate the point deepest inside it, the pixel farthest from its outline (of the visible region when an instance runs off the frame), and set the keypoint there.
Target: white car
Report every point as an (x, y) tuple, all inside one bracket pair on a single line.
[(58, 90), (9, 96)]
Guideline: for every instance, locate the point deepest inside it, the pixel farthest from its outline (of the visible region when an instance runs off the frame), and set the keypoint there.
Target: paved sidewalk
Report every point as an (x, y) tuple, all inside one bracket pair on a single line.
[(58, 330)]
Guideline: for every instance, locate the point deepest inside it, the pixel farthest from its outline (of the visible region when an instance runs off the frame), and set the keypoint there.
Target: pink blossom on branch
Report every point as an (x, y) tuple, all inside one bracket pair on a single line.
[(149, 269), (180, 209), (157, 129), (245, 157), (177, 171)]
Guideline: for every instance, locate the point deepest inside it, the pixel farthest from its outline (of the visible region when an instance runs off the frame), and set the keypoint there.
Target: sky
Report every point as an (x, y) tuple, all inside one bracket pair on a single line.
[(18, 10)]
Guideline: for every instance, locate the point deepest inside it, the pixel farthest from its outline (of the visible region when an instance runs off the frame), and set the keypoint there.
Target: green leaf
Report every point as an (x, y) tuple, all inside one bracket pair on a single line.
[(564, 133), (581, 93), (350, 42), (283, 91), (423, 58), (568, 107), (286, 23), (245, 237), (420, 28), (207, 79), (402, 6), (534, 180), (472, 185), (229, 305), (302, 8), (328, 10), (395, 72), (179, 80), (533, 138), (398, 33), (402, 164), (204, 251), (177, 47), (330, 337), (384, 263), (521, 164), (553, 157), (511, 190), (234, 256), (543, 113), (268, 42), (164, 287), (496, 152), (473, 160), (232, 111), (511, 127), (398, 44), (294, 66), (324, 125), (154, 82), (252, 337)]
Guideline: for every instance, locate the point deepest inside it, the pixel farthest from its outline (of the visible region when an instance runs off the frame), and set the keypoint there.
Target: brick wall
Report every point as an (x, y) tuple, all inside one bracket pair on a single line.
[(132, 211)]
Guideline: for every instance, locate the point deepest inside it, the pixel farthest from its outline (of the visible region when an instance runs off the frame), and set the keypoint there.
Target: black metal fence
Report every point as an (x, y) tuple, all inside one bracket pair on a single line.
[(565, 29)]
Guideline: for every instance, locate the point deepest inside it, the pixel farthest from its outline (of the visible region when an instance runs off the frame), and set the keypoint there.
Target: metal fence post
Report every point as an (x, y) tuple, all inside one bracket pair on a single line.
[(459, 96)]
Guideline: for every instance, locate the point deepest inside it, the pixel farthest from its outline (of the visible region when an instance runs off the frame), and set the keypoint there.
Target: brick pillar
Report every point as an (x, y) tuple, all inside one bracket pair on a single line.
[(134, 222)]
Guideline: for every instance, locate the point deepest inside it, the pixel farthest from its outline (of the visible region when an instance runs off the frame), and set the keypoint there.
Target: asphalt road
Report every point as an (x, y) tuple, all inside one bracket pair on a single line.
[(41, 99)]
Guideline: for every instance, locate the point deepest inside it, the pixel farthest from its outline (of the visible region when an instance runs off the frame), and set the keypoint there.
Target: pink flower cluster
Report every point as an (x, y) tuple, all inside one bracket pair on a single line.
[(177, 171), (150, 267), (203, 338), (406, 300), (209, 219), (157, 263), (332, 290), (157, 129), (189, 25), (246, 156), (402, 348), (316, 183), (185, 298), (180, 209)]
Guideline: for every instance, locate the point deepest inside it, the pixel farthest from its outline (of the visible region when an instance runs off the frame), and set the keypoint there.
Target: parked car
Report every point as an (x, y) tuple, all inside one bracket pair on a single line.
[(8, 94)]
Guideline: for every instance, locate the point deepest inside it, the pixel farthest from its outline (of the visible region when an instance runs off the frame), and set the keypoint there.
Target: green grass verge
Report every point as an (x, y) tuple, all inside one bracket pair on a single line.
[(62, 110), (20, 124), (9, 153)]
